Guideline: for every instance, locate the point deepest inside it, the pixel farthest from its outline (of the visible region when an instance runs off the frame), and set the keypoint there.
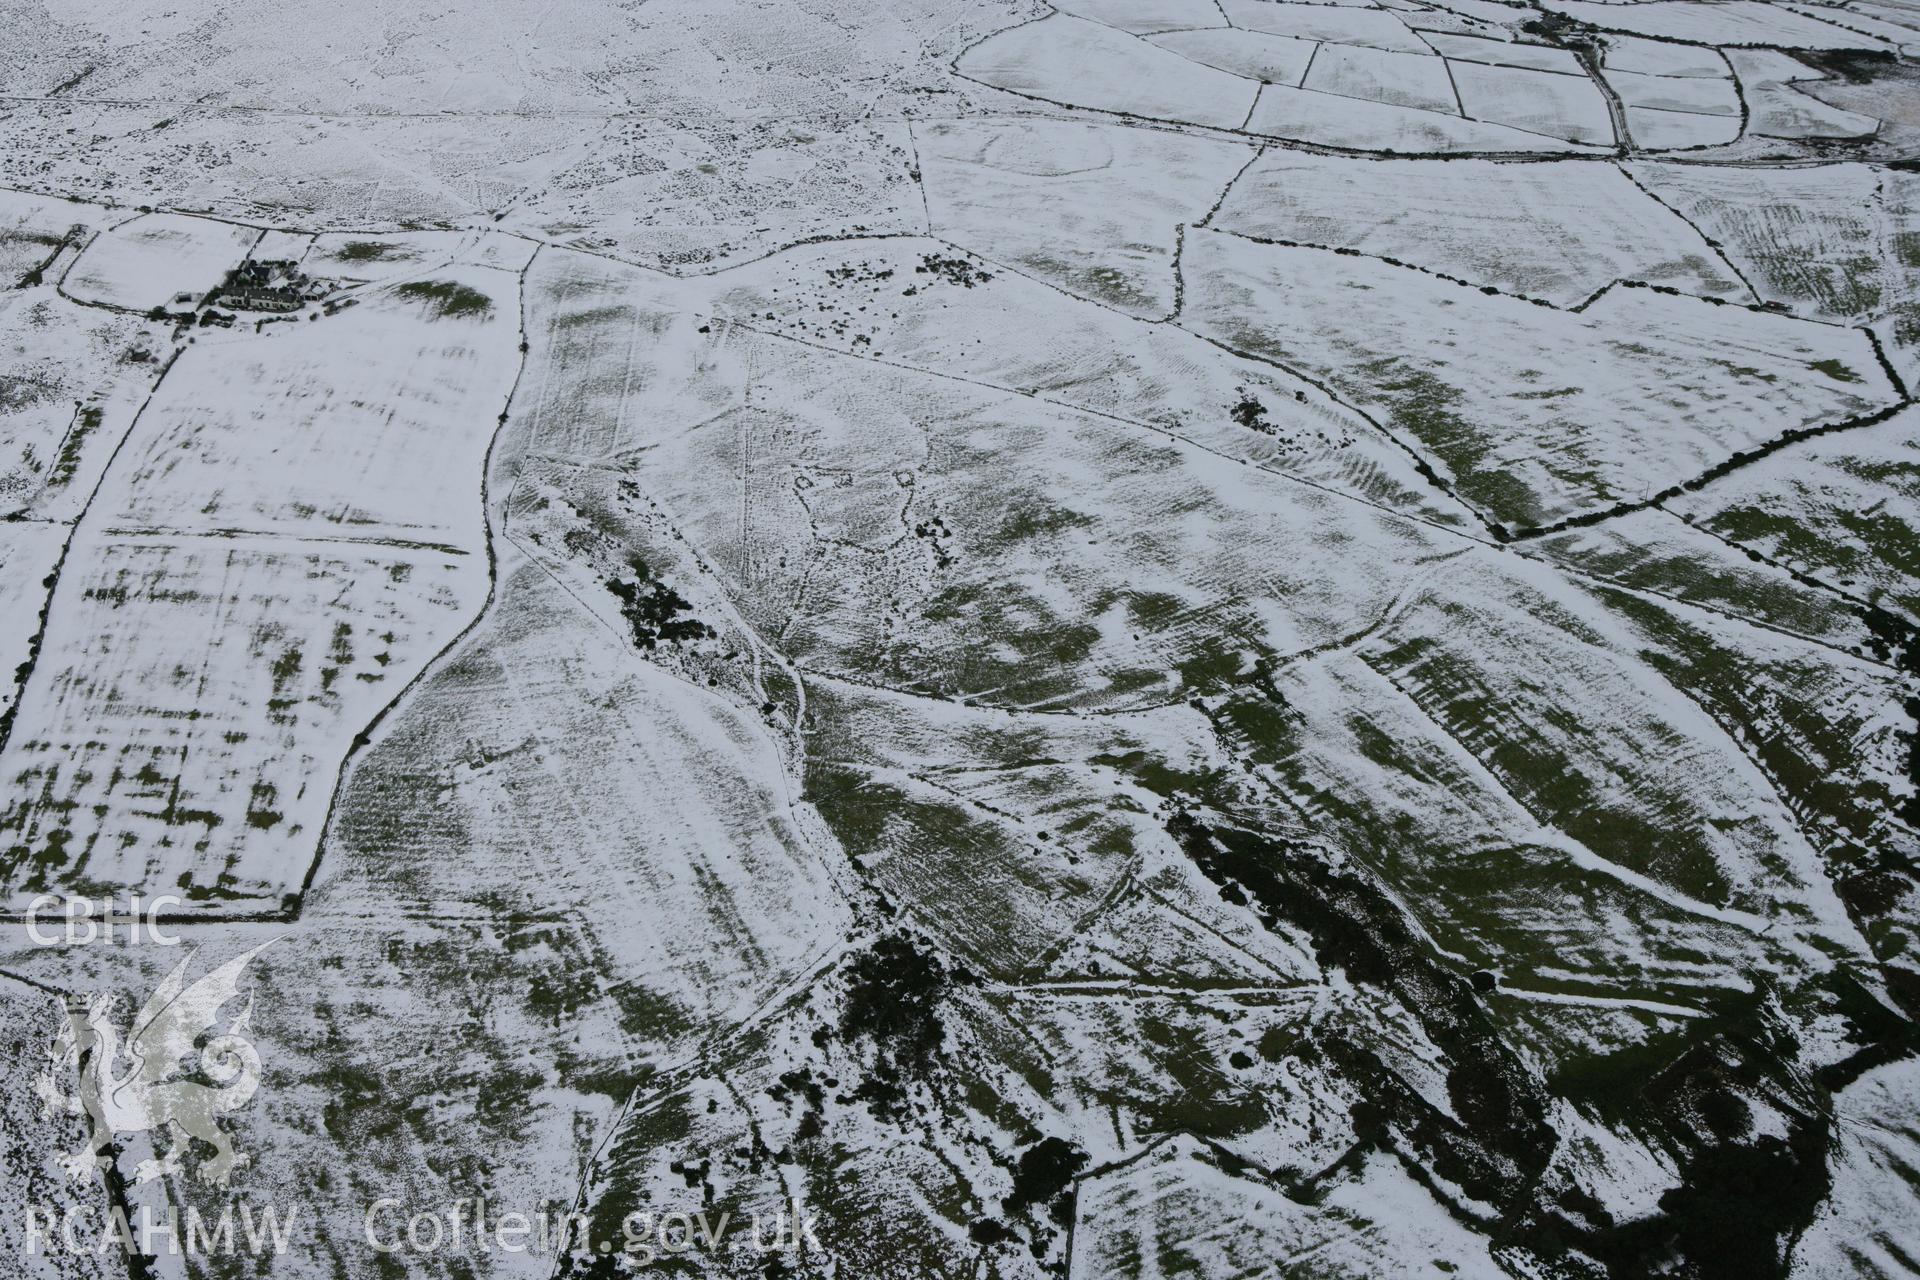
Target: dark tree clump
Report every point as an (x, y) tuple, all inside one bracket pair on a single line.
[(1046, 1169), (893, 998), (655, 610)]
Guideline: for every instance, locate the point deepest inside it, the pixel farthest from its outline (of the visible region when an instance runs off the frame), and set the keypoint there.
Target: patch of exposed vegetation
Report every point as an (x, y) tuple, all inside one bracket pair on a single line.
[(261, 815), (862, 273), (18, 393), (1043, 1175), (1428, 408), (446, 298), (1857, 66), (893, 999), (1249, 412), (654, 610), (66, 463), (958, 271), (367, 251)]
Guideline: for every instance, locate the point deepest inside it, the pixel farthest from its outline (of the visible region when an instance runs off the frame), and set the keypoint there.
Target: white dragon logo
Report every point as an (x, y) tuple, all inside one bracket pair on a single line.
[(149, 1094)]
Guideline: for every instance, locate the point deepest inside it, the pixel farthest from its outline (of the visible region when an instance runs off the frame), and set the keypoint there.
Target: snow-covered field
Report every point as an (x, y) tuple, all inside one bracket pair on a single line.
[(1091, 638)]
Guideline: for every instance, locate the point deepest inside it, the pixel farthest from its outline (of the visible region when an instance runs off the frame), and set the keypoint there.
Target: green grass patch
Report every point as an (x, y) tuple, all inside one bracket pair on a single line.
[(446, 298), (367, 251), (67, 463)]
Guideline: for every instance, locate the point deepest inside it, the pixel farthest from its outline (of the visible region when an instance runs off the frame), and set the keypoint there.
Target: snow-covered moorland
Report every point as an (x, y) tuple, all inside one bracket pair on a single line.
[(1092, 638)]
